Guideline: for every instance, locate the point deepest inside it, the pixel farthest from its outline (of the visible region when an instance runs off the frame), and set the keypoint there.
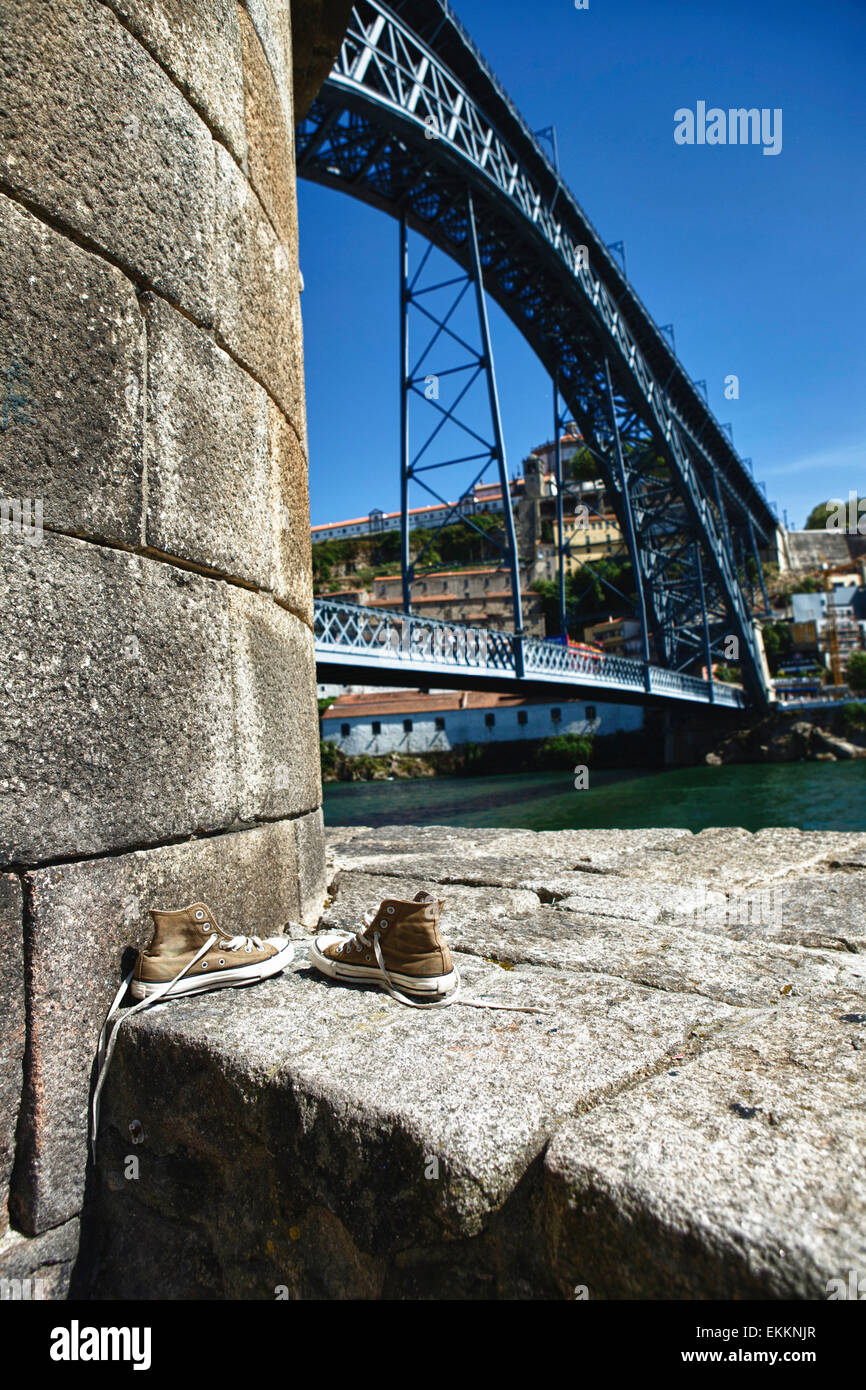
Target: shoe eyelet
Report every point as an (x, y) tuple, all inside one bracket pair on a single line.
[(199, 914), (204, 965), (367, 956), (222, 962), (390, 911), (383, 923)]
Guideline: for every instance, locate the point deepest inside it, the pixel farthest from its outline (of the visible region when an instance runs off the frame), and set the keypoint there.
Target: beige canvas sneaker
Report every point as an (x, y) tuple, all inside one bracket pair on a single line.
[(187, 955), (190, 951), (399, 948)]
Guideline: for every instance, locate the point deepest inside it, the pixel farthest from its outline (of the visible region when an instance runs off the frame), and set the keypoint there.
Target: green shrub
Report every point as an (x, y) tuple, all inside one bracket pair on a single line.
[(854, 715), (564, 750), (855, 672), (328, 755)]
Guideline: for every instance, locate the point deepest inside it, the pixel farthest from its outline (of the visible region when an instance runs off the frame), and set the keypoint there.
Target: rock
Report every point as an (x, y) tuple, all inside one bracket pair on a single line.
[(274, 670), (259, 315), (270, 135), (839, 746), (203, 57)]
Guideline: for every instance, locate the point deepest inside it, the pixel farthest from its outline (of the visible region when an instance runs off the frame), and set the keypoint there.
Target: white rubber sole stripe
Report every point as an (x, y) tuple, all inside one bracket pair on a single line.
[(423, 985), (219, 979)]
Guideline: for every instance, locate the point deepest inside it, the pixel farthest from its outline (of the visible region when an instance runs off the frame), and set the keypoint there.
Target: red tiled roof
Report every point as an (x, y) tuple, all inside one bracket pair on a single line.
[(413, 702)]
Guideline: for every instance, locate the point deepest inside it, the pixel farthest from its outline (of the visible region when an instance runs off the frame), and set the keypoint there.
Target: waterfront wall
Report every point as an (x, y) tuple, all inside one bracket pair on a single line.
[(470, 726)]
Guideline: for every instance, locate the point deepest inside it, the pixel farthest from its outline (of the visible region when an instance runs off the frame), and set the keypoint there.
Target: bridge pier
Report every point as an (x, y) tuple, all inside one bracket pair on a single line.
[(159, 724)]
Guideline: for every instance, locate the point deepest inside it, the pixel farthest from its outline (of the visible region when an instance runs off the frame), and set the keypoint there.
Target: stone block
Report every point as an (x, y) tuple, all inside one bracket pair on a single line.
[(201, 48), (512, 927), (312, 878), (209, 469), (259, 316), (270, 136), (272, 21), (117, 723), (96, 134), (87, 922), (355, 1138), (13, 1031), (273, 663), (38, 1268), (736, 1175), (293, 574), (71, 374)]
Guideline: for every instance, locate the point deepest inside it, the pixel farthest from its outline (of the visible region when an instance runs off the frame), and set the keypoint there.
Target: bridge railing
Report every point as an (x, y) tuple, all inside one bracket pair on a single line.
[(547, 658), (382, 633), (388, 636)]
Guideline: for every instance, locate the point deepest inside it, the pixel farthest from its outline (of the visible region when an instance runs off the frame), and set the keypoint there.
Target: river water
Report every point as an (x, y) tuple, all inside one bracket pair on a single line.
[(810, 796)]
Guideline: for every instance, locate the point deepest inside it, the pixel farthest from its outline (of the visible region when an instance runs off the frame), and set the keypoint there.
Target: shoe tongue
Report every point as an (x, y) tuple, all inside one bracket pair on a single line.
[(423, 897)]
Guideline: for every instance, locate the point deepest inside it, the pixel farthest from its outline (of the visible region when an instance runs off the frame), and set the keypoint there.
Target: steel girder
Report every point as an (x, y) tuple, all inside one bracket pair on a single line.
[(396, 127)]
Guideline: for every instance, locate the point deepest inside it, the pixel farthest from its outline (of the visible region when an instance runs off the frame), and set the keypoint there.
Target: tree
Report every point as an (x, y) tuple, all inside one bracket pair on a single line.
[(855, 672), (778, 641), (818, 516)]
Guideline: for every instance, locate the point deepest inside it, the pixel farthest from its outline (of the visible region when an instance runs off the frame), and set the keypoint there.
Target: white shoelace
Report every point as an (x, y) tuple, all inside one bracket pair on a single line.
[(361, 942), (105, 1053)]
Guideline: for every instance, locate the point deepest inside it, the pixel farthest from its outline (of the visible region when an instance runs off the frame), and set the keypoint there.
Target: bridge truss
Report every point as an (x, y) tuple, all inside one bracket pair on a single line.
[(412, 121)]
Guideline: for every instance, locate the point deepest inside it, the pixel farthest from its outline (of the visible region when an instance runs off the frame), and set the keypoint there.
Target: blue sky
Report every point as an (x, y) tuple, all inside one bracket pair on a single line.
[(757, 260)]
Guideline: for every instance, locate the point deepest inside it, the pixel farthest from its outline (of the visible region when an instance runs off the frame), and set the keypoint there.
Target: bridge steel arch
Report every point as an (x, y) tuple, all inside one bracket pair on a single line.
[(410, 117)]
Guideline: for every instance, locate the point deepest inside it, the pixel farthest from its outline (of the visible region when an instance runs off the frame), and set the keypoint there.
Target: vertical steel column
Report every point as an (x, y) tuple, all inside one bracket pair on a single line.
[(560, 528), (405, 558), (629, 521), (498, 441), (708, 651), (758, 563)]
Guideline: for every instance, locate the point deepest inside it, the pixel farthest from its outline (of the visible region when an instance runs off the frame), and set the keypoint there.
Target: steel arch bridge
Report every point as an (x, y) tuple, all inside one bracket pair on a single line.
[(483, 191)]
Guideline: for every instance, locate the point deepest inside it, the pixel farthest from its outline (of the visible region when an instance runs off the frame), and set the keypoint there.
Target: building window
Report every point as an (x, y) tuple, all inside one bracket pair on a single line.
[(377, 727), (590, 712), (344, 730), (556, 715), (490, 720), (522, 717), (407, 726), (440, 724)]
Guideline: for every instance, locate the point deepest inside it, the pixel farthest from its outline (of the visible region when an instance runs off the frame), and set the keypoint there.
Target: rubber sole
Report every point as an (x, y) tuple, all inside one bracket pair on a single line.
[(219, 979), (426, 986)]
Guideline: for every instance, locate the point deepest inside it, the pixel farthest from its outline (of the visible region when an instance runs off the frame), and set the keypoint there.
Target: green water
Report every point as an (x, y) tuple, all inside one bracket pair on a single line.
[(810, 796)]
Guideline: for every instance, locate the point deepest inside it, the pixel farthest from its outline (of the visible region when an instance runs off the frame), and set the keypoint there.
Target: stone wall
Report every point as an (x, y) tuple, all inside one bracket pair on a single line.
[(158, 732)]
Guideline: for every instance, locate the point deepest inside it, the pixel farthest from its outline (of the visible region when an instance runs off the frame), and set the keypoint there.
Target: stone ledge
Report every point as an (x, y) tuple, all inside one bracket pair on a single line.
[(326, 1142)]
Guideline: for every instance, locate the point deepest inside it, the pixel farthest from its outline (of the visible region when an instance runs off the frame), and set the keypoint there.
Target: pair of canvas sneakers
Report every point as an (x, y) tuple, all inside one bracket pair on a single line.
[(398, 947)]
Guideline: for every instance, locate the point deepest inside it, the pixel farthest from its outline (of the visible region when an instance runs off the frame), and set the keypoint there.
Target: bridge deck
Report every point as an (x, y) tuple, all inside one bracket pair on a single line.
[(377, 647)]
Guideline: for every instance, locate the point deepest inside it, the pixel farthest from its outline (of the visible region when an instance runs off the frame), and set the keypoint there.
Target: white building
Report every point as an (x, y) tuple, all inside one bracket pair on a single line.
[(414, 721)]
